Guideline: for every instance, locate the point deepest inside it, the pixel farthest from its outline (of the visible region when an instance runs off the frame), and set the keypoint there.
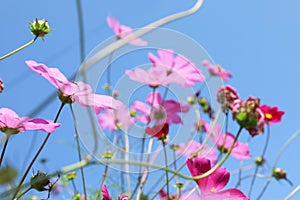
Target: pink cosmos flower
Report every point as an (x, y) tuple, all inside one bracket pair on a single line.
[(188, 149), (11, 123), (185, 73), (69, 91), (115, 119), (240, 150), (249, 115), (122, 31), (123, 197), (154, 77), (211, 186), (163, 111), (216, 70), (226, 96), (272, 114)]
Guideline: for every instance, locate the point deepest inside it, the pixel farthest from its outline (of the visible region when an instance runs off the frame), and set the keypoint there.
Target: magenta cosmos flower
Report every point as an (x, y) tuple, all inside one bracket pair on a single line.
[(154, 77), (115, 119), (216, 70), (185, 73), (223, 141), (211, 186), (69, 91), (106, 195), (190, 148), (272, 114), (11, 123), (122, 31), (162, 112)]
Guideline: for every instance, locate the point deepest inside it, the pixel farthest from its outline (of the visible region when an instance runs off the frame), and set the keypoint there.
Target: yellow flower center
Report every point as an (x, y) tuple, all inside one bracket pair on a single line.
[(219, 68), (268, 116), (213, 190)]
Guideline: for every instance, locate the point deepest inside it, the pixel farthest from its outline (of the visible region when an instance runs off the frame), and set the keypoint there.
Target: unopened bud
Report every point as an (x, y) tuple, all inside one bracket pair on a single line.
[(39, 28)]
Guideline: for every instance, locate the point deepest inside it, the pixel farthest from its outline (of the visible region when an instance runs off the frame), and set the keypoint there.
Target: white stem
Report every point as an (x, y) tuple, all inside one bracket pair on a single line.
[(140, 32), (127, 159)]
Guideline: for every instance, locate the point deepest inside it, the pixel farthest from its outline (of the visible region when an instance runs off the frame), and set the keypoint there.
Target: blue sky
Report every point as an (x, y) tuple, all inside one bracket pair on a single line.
[(258, 41)]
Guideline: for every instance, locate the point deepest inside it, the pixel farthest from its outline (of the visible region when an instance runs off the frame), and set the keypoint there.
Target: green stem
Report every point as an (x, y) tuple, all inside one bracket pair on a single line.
[(262, 156), (102, 182), (4, 149), (292, 193), (166, 164), (19, 49), (78, 151), (37, 154), (24, 193)]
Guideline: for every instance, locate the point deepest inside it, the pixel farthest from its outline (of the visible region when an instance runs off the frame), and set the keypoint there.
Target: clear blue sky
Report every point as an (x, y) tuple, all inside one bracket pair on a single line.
[(258, 41)]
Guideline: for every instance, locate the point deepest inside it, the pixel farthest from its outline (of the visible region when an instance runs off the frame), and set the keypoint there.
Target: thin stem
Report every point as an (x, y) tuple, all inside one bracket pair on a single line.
[(262, 156), (37, 153), (81, 30), (24, 193), (292, 193), (282, 149), (4, 149), (99, 193), (166, 164), (112, 47), (20, 48), (109, 91), (127, 159), (74, 186), (78, 150)]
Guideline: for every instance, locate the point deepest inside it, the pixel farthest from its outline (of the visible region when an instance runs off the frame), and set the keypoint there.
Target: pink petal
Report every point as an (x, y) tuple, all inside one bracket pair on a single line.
[(102, 101), (41, 124), (114, 24), (53, 75)]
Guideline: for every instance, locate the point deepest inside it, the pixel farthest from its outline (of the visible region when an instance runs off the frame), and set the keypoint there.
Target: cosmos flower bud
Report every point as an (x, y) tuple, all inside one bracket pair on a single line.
[(39, 27), (259, 161), (191, 100), (39, 181), (175, 147), (71, 176), (107, 154), (1, 85)]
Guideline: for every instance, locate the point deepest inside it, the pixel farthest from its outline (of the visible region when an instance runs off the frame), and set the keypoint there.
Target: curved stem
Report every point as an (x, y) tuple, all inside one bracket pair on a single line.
[(282, 149), (78, 151), (4, 149), (19, 49), (37, 154), (112, 47), (292, 193), (24, 193), (262, 156)]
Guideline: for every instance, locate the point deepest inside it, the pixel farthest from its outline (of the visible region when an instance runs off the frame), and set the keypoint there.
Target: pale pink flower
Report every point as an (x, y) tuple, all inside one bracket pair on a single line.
[(11, 123), (240, 150), (211, 186), (69, 91), (154, 77), (122, 31), (217, 70), (115, 119), (162, 111), (190, 148), (123, 197), (185, 72)]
